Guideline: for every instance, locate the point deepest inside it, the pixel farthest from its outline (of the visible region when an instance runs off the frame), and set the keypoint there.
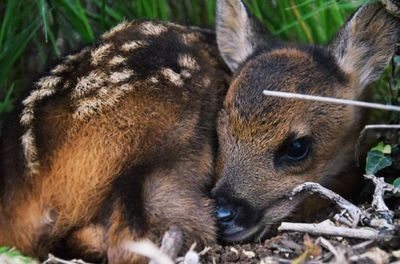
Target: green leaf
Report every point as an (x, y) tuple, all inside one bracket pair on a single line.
[(376, 161), (397, 60), (381, 147), (396, 183)]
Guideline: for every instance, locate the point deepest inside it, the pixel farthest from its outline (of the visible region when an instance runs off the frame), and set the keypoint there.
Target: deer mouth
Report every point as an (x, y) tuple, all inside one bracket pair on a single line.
[(240, 234), (255, 225)]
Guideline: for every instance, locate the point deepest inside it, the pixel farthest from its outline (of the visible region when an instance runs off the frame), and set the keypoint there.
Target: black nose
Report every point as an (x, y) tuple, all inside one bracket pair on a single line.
[(225, 213)]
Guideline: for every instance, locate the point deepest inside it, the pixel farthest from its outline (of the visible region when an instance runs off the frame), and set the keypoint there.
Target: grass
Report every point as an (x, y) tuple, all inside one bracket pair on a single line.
[(35, 33)]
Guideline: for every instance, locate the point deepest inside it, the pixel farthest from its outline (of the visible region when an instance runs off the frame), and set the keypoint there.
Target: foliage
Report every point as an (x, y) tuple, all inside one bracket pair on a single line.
[(8, 255), (378, 158)]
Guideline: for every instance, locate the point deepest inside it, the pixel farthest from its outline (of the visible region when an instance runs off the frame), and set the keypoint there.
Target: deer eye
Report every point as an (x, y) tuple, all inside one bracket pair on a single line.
[(293, 150), (297, 149)]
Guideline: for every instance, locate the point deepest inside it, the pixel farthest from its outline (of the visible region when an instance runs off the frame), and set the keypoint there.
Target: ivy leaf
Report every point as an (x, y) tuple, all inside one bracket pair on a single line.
[(385, 149), (376, 161), (397, 60), (396, 183)]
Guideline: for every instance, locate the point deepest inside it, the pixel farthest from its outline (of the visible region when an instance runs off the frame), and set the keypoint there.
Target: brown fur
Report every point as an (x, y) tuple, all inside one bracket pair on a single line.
[(256, 131), (118, 145)]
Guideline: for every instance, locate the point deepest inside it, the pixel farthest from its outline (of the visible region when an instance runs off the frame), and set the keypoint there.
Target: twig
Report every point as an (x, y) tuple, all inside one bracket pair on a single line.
[(331, 100), (330, 230), (353, 211), (172, 242), (53, 259), (338, 253), (150, 250), (378, 202)]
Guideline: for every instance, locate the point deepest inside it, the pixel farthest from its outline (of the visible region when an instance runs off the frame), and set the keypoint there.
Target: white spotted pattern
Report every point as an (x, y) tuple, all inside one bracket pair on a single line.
[(46, 87), (88, 84), (151, 29), (99, 53), (172, 76), (131, 46), (117, 60), (188, 62), (117, 77), (116, 29)]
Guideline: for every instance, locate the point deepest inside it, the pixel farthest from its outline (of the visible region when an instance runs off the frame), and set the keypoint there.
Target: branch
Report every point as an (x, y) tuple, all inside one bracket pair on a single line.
[(378, 202), (331, 100), (170, 246), (353, 211), (327, 229), (172, 242)]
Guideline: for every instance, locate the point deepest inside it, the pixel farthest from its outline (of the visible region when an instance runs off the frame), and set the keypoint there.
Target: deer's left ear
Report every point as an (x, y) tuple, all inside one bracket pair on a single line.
[(367, 42), (238, 32)]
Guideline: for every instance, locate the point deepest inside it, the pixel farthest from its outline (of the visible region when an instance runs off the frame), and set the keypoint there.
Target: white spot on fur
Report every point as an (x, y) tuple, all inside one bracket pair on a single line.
[(76, 56), (131, 46), (116, 29), (46, 87), (26, 117), (153, 80), (30, 153), (38, 95), (61, 68), (187, 61), (186, 74), (99, 53), (117, 60), (172, 76), (48, 82), (88, 84), (117, 77), (95, 105), (151, 29), (106, 97), (189, 38), (206, 81)]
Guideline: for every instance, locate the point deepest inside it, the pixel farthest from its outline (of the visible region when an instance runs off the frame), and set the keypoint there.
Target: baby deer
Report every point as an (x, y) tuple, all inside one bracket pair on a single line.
[(114, 144), (269, 145)]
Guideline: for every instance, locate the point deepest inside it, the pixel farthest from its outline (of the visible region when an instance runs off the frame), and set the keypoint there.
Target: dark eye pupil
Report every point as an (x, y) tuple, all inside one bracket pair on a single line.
[(298, 149)]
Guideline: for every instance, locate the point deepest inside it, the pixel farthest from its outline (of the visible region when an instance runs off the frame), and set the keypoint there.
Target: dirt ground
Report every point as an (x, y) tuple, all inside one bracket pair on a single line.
[(300, 248), (293, 247)]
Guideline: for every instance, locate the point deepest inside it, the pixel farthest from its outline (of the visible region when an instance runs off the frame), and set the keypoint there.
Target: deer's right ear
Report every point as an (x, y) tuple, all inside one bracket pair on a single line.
[(238, 33), (367, 42)]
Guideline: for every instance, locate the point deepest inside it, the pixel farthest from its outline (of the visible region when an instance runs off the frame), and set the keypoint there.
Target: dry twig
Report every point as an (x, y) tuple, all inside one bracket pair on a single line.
[(384, 214), (51, 259), (331, 100), (327, 228), (352, 214), (172, 242)]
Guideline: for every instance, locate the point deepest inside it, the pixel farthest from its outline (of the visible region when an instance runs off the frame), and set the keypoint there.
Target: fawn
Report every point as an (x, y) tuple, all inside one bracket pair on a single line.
[(269, 145), (116, 143)]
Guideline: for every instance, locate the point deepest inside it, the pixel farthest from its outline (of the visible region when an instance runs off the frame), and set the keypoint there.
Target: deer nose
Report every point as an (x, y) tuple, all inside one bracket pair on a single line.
[(225, 213)]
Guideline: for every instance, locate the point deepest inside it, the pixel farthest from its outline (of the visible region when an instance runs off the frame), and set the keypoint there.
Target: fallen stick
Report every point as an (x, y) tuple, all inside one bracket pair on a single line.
[(331, 100), (51, 259), (326, 229), (170, 246), (378, 203), (172, 242), (353, 211), (150, 250)]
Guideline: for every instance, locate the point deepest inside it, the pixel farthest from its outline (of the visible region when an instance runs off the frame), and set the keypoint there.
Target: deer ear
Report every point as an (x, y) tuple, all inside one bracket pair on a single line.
[(365, 45), (238, 32)]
